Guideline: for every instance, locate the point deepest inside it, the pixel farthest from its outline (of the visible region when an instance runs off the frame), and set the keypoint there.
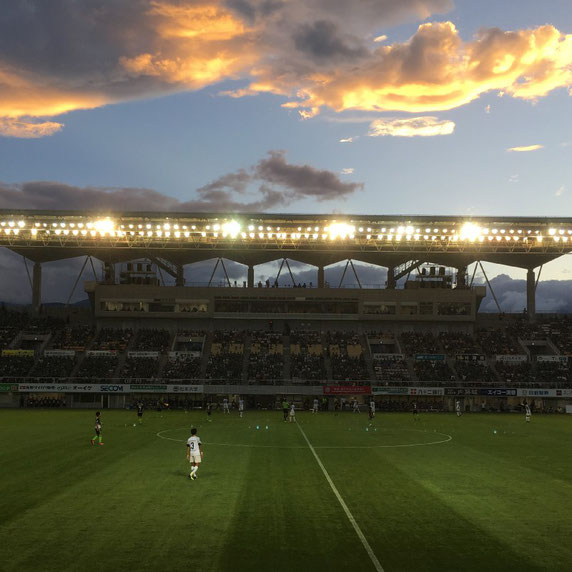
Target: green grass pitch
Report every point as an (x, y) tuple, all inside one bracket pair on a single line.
[(480, 492)]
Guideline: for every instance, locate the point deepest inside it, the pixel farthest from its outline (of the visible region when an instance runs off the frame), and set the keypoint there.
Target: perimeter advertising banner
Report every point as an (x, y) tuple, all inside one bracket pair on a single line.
[(490, 392), (380, 390), (5, 387), (426, 391), (460, 391), (17, 353), (498, 392), (102, 388), (57, 388), (185, 388), (347, 389), (417, 391), (536, 392), (147, 388)]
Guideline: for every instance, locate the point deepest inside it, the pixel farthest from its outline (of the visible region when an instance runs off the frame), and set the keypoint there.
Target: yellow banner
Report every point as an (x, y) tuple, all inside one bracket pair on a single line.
[(17, 353)]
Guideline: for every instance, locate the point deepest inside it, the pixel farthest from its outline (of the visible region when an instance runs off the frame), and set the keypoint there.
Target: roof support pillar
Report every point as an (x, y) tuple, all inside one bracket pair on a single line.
[(108, 273), (37, 287), (531, 295), (250, 277), (391, 282), (321, 277), (180, 278), (461, 277)]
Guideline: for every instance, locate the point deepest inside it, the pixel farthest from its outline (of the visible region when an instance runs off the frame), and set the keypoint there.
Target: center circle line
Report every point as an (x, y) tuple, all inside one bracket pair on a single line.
[(446, 440)]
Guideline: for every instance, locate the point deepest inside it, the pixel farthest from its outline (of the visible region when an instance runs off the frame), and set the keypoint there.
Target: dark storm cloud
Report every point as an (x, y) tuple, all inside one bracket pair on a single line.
[(323, 39), (277, 183), (303, 181), (250, 11)]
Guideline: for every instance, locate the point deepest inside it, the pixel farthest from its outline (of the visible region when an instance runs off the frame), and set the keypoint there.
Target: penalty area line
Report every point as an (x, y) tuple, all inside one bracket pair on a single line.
[(350, 516)]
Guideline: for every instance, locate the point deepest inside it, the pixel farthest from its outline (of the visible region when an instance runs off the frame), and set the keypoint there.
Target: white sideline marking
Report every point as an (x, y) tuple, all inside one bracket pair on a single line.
[(350, 516)]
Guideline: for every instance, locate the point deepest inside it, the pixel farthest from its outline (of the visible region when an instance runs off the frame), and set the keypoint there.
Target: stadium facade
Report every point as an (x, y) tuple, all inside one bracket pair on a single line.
[(429, 256)]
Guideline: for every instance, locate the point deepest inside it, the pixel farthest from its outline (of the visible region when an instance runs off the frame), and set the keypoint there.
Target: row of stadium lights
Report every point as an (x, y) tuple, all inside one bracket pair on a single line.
[(105, 227)]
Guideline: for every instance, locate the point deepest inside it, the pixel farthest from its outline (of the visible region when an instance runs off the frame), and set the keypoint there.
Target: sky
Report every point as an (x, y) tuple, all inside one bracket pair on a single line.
[(440, 107)]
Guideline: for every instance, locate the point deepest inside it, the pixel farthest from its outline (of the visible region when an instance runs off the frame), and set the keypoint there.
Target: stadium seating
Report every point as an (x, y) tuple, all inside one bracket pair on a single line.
[(511, 354), (307, 356), (346, 356), (266, 358), (225, 362)]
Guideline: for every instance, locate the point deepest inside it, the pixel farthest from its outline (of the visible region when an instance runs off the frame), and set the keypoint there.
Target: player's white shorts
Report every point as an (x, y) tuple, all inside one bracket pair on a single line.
[(195, 459)]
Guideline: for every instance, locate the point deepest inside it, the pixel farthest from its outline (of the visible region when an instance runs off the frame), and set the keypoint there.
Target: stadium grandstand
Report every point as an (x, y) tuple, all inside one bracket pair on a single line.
[(418, 336)]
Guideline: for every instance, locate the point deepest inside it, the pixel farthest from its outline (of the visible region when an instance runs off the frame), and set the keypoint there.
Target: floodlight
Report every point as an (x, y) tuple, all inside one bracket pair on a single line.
[(232, 228), (470, 231), (104, 226), (340, 230)]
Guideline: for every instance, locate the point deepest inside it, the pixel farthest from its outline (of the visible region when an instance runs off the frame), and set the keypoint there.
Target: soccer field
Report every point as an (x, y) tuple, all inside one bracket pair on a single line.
[(332, 492)]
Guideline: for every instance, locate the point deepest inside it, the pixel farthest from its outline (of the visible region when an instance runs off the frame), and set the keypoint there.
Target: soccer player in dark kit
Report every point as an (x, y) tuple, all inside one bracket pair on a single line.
[(98, 436)]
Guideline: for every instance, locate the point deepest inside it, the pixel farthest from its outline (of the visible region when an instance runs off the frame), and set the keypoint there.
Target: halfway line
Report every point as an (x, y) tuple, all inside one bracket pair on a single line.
[(350, 516)]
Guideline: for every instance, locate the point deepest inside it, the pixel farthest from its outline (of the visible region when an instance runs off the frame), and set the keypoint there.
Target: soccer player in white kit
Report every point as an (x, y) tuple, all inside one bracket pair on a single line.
[(195, 453), (356, 406), (372, 409), (292, 413), (458, 408), (240, 406), (225, 408), (527, 412), (316, 406)]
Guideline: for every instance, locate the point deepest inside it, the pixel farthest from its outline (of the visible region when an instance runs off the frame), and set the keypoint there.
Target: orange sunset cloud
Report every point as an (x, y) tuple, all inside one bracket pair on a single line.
[(307, 53)]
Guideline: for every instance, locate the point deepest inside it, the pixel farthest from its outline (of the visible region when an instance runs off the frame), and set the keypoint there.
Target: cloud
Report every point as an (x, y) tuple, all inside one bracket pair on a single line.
[(348, 140), (435, 71), (525, 149), (68, 55), (560, 191), (551, 295), (411, 127), (303, 181), (271, 183), (514, 179), (379, 39), (347, 171), (324, 40), (488, 108), (65, 55), (27, 129)]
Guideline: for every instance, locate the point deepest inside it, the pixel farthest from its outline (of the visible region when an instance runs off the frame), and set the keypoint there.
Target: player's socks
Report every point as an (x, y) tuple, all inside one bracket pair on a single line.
[(93, 441)]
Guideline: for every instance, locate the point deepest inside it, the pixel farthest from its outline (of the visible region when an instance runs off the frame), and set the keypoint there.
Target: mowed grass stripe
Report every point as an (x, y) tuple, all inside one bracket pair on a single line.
[(430, 503), (484, 500), (350, 516)]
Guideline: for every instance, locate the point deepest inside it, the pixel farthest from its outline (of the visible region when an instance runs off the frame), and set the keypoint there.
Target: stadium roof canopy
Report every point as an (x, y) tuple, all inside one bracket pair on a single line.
[(386, 240)]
